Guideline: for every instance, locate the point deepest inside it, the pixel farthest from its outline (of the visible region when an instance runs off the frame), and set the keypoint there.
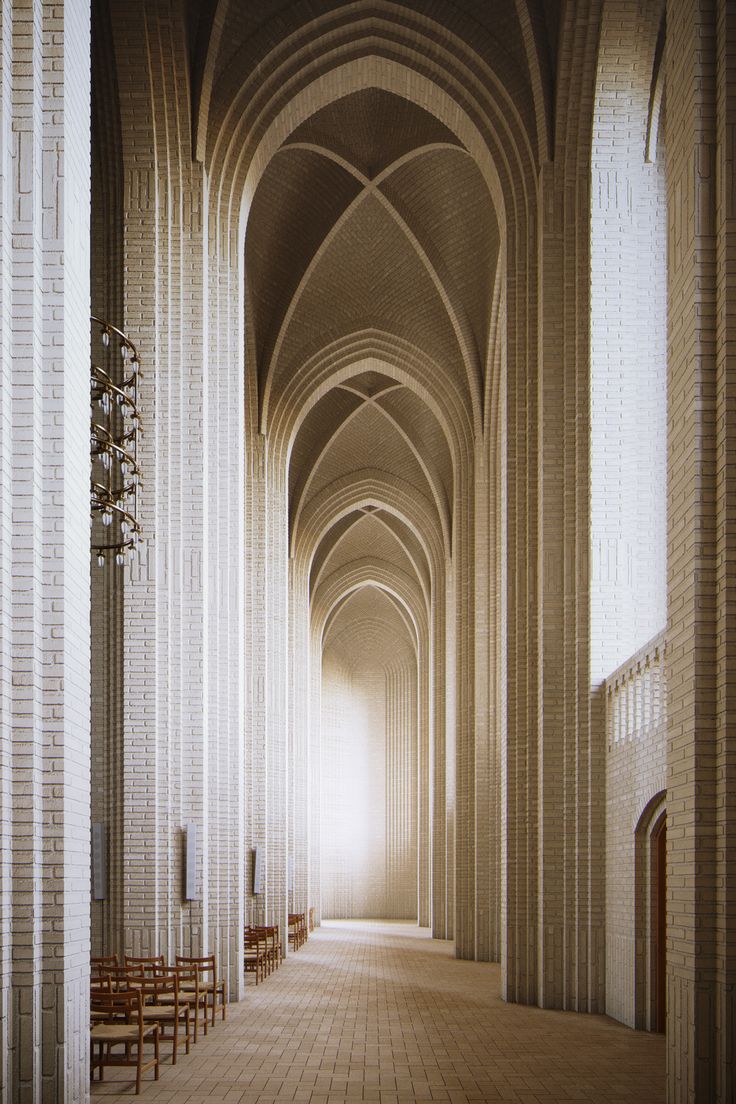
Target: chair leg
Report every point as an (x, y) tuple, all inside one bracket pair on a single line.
[(138, 1068), (155, 1054)]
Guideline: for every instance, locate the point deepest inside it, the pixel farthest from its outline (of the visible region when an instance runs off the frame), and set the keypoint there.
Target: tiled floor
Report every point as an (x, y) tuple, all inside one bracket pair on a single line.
[(379, 1012)]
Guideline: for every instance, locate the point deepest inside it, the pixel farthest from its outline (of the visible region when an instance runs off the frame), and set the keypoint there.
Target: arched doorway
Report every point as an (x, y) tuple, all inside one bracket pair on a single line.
[(651, 915), (659, 924)]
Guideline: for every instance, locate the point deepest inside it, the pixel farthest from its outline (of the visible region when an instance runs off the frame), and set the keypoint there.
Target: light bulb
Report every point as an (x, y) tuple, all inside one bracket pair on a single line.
[(106, 338), (106, 518), (120, 559), (105, 457), (100, 560), (124, 351)]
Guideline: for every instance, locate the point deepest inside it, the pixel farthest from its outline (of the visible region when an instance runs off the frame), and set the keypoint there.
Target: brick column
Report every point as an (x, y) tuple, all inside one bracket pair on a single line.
[(701, 835), (552, 832), (44, 552)]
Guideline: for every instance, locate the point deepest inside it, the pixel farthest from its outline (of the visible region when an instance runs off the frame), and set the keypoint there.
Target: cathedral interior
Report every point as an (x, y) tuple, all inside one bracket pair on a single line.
[(404, 588)]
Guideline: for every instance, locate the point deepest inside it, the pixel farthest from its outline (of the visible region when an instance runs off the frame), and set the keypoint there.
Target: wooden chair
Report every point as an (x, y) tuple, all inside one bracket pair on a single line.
[(278, 950), (270, 938), (194, 994), (297, 929), (120, 1022), (254, 951), (209, 983), (163, 1003)]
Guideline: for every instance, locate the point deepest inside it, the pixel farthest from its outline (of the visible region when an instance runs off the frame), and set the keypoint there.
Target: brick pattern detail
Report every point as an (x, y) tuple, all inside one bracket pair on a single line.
[(628, 341), (44, 551), (636, 781), (628, 476), (701, 783), (180, 753), (422, 428)]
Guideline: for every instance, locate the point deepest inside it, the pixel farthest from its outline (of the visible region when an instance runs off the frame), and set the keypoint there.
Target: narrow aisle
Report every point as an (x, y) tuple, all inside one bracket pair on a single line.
[(379, 1012)]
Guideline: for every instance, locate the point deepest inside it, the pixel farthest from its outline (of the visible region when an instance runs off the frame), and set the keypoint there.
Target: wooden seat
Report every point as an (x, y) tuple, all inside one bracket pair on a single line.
[(120, 1022), (163, 1003)]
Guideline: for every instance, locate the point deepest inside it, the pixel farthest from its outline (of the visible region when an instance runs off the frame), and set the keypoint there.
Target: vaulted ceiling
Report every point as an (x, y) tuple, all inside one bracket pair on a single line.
[(372, 242)]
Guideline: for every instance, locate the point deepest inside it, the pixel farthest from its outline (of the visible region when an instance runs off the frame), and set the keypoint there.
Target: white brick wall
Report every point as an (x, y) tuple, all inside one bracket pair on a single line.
[(217, 716), (44, 548)]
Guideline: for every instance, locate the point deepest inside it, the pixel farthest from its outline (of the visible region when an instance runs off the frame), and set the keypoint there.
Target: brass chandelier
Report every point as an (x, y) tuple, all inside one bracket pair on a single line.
[(115, 439)]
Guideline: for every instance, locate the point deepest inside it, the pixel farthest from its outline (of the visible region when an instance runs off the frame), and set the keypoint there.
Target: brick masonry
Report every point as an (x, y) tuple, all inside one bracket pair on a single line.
[(360, 390), (44, 550)]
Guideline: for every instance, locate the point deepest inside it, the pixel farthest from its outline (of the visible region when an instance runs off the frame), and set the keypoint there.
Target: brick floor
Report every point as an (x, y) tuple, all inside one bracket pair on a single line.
[(379, 1012)]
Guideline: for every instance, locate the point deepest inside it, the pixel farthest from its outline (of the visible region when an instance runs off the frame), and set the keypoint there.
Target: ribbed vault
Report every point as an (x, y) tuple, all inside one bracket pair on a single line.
[(386, 183), (373, 245)]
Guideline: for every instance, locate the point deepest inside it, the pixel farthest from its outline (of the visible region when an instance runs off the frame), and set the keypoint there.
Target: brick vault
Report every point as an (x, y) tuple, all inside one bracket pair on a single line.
[(435, 307)]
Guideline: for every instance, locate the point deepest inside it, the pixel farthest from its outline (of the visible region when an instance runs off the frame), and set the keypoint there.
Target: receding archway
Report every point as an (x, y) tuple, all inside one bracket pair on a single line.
[(369, 761)]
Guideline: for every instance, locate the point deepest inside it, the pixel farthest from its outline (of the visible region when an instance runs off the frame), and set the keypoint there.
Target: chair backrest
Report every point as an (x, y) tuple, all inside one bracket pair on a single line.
[(123, 977), (128, 1003), (139, 963), (265, 934), (204, 965), (159, 982), (186, 976), (100, 961)]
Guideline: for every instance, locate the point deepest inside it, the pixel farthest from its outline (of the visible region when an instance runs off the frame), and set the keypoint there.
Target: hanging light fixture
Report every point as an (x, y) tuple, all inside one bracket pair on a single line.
[(114, 440)]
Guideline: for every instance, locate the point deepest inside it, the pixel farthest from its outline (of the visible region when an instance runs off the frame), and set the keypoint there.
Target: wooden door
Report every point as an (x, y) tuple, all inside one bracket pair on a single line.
[(660, 928)]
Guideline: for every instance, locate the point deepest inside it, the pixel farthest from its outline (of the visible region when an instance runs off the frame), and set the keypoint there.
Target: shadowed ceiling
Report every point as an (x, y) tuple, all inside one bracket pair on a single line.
[(371, 241), (371, 218)]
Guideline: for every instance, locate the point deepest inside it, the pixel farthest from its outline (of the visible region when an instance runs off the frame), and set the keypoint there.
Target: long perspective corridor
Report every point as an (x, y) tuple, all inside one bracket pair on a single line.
[(378, 1011), (368, 550)]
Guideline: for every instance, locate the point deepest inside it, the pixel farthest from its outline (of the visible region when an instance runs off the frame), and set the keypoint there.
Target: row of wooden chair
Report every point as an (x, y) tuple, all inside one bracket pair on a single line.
[(298, 932), (262, 950), (134, 1002)]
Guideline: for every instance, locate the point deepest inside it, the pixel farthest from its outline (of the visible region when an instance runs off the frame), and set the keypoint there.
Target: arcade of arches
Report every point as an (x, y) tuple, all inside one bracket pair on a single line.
[(435, 305)]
